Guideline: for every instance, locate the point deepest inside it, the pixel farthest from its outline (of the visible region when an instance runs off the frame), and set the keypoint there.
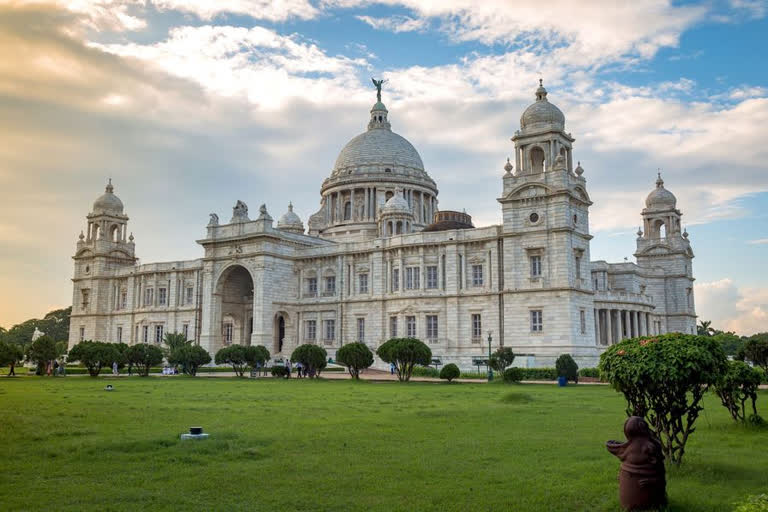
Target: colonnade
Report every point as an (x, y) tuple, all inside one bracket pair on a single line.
[(615, 325), (365, 202)]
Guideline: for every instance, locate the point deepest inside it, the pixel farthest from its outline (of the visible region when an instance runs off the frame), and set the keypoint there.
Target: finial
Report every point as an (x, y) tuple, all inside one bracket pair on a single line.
[(290, 206), (541, 82), (378, 84), (82, 236), (110, 188), (579, 170), (659, 181), (639, 232), (130, 238), (685, 233), (508, 166)]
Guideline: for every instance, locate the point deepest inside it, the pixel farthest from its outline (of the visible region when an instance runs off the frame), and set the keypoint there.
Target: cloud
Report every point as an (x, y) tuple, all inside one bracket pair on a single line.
[(759, 241), (270, 10), (395, 24), (731, 308)]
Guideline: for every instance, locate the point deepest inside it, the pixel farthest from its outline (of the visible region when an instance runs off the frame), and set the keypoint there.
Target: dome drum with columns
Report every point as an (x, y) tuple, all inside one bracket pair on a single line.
[(378, 260)]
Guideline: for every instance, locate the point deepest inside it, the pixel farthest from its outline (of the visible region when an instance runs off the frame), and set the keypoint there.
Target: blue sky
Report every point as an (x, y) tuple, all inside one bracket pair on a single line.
[(190, 105)]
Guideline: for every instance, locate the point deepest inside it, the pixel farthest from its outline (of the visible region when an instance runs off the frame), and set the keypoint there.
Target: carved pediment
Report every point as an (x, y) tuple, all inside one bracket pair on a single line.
[(528, 191)]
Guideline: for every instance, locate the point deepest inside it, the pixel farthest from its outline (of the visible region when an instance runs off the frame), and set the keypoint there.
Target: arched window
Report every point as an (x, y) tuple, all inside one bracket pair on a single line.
[(347, 210), (388, 196), (114, 233), (96, 231), (399, 227), (537, 160)]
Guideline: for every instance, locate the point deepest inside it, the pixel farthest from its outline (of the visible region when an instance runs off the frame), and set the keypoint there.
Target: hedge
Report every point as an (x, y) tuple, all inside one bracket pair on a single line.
[(589, 372)]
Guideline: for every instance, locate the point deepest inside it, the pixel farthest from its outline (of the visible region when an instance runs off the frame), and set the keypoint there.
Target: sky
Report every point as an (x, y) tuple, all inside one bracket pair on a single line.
[(190, 105)]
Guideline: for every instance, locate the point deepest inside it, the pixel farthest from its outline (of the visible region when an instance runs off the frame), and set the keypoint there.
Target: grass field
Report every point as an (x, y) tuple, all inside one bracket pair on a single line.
[(340, 445)]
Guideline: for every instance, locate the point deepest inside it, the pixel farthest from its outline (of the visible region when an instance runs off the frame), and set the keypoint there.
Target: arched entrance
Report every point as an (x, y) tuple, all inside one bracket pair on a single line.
[(279, 330), (234, 296)]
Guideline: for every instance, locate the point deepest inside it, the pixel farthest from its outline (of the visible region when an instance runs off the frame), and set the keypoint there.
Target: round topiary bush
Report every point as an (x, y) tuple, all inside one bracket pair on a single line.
[(513, 375), (567, 367), (450, 372), (356, 357), (279, 371), (311, 357), (405, 353)]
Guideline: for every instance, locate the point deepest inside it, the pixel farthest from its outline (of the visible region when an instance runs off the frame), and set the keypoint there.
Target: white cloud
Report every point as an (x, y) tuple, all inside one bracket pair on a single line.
[(395, 24), (759, 241), (270, 10), (731, 308)]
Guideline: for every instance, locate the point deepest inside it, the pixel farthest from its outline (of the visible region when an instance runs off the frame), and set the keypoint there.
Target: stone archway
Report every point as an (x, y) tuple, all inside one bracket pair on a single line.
[(234, 307), (281, 319)]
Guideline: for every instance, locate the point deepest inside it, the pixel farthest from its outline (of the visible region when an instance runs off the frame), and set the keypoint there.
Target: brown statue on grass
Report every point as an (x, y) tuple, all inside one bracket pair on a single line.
[(642, 481)]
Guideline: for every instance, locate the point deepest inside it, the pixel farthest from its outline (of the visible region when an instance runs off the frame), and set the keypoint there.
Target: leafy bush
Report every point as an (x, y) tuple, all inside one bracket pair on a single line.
[(567, 367), (589, 372), (664, 380), (513, 375), (235, 356), (405, 353), (256, 355), (450, 372), (94, 355), (756, 350), (189, 357), (312, 357), (737, 385), (10, 355), (539, 374), (425, 371), (758, 503), (40, 351), (143, 356), (756, 420), (279, 371), (356, 357), (502, 358)]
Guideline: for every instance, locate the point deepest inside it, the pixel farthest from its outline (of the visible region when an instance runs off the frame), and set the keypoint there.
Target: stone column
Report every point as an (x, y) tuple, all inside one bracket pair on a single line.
[(641, 324), (620, 324), (596, 313), (609, 326)]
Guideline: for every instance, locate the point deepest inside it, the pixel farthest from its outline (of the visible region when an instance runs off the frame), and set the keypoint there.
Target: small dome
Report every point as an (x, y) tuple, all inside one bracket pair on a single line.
[(290, 221), (661, 198), (108, 202), (396, 204), (542, 113)]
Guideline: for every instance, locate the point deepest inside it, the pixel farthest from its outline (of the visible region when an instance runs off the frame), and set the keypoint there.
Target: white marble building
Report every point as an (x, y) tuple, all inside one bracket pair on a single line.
[(379, 260)]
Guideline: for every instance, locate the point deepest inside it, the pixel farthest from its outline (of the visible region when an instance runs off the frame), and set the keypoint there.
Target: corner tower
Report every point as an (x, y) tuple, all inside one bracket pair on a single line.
[(101, 250), (664, 249)]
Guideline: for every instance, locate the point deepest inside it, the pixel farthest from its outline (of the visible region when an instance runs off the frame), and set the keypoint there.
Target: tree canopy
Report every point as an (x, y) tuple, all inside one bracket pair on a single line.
[(502, 359), (95, 355), (144, 356), (55, 324), (190, 358), (42, 350), (356, 357), (312, 357), (405, 354)]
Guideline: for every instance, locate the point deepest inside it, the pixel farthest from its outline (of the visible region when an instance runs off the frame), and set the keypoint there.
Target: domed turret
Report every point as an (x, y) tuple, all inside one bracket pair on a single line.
[(396, 204), (660, 198), (395, 217), (542, 113), (290, 221), (108, 202)]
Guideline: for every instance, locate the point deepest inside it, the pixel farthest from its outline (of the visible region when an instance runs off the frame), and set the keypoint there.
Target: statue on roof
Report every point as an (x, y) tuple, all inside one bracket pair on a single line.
[(378, 84)]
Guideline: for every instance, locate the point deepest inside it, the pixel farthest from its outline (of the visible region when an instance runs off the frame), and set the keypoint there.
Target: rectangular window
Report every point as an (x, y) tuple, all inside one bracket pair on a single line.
[(395, 279), (310, 330), (330, 285), (577, 264), (145, 334), (311, 286), (477, 327), (361, 329), (185, 331), (330, 330), (412, 278), (190, 298), (123, 299), (159, 334), (432, 277), (410, 326), (363, 283), (162, 296), (228, 332), (536, 266), (583, 321), (119, 334), (148, 297), (537, 324), (432, 327), (82, 333), (477, 275), (393, 327)]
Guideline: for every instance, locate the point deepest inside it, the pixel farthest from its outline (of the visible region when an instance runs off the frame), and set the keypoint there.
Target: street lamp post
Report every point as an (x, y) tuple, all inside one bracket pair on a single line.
[(490, 370)]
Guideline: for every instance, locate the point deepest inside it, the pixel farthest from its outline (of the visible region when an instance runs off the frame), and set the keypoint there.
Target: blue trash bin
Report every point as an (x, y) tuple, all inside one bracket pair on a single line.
[(562, 381)]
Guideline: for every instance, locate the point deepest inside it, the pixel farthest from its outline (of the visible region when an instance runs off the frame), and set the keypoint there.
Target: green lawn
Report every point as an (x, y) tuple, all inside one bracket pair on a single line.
[(339, 445)]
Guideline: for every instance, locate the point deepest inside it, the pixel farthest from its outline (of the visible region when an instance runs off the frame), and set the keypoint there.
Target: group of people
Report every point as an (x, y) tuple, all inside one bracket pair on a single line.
[(301, 371)]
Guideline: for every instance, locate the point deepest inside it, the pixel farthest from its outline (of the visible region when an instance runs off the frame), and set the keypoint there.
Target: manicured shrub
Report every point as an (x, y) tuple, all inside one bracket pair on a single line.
[(513, 374), (190, 358), (235, 356), (758, 503), (664, 380), (312, 357), (539, 374), (94, 355), (427, 371), (567, 367), (405, 353), (279, 371), (356, 357), (502, 359), (737, 385), (41, 351), (589, 372), (143, 356), (450, 372), (256, 355)]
